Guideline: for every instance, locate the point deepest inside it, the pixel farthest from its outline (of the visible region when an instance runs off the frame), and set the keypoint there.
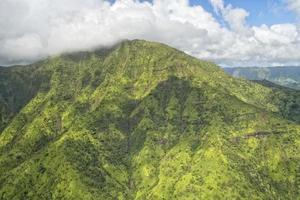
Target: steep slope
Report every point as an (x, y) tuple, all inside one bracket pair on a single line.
[(285, 76), (18, 85), (145, 121), (288, 100)]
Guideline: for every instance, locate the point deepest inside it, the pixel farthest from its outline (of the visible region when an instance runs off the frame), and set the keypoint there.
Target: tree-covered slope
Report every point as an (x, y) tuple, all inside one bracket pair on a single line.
[(17, 86), (145, 121), (285, 76)]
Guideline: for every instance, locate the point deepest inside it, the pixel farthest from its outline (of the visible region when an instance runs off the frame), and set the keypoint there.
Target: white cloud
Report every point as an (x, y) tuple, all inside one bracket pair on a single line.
[(235, 17), (217, 5), (33, 29)]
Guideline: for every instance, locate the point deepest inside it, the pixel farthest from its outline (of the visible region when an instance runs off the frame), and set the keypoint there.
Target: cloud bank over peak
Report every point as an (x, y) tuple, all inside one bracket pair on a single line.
[(34, 29)]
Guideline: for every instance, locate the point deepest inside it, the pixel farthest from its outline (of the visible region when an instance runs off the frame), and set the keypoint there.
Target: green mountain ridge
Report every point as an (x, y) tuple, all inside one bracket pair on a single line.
[(145, 121), (18, 85), (285, 76)]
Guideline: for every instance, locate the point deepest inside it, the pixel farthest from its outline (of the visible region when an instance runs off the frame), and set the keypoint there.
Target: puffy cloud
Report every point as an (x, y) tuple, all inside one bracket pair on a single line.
[(34, 29)]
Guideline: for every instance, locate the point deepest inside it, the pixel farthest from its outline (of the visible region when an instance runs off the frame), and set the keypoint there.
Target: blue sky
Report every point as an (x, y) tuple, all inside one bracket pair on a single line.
[(267, 12)]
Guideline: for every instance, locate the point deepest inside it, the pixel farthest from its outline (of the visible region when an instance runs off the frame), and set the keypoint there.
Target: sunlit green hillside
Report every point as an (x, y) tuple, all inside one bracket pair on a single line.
[(144, 121)]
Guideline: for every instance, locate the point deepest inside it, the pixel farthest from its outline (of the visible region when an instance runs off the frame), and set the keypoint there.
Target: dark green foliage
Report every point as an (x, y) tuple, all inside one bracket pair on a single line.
[(18, 85), (287, 100), (145, 121)]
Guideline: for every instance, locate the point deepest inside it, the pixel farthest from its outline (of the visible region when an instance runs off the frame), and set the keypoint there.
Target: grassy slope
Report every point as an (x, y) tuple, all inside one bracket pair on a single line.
[(145, 121)]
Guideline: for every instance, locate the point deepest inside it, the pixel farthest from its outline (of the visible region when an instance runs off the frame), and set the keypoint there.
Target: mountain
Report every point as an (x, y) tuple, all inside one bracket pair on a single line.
[(285, 76), (18, 85), (145, 121)]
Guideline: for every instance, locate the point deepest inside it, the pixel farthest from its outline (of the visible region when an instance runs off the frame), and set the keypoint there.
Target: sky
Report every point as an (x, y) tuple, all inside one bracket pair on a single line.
[(267, 12), (228, 32)]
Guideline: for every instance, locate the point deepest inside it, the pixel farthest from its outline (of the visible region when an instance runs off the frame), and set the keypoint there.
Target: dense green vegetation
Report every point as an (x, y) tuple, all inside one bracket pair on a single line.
[(145, 121), (18, 85), (285, 76)]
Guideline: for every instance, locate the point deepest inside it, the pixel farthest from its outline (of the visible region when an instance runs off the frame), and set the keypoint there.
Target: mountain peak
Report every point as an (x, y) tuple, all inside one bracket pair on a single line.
[(143, 120)]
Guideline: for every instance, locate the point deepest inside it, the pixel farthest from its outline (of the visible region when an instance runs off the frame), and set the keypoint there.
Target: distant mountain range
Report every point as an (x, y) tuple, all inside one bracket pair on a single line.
[(285, 76), (144, 121)]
